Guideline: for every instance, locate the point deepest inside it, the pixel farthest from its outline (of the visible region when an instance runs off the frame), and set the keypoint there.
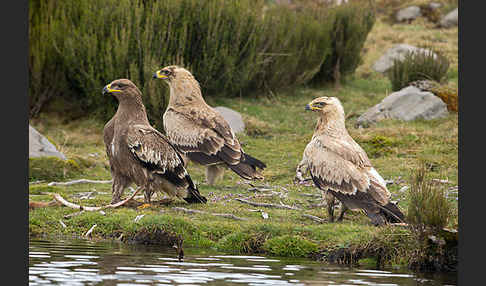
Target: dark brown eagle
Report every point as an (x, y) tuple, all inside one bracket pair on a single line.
[(140, 154), (339, 166), (200, 132)]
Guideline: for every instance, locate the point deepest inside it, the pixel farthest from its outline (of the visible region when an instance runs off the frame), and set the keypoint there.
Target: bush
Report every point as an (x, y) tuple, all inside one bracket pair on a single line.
[(418, 66), (351, 24), (428, 210), (232, 48), (52, 168)]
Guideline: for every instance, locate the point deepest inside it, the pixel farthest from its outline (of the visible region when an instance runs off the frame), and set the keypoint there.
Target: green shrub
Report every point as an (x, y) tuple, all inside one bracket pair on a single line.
[(232, 47), (418, 66), (428, 209), (351, 24), (52, 168), (289, 246)]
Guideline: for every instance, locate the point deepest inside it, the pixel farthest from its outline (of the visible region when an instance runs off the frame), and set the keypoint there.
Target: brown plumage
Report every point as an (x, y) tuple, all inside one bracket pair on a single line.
[(338, 165), (140, 154), (200, 132)]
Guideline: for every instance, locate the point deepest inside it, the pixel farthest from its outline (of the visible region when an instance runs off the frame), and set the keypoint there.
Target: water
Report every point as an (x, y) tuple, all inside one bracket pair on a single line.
[(83, 262)]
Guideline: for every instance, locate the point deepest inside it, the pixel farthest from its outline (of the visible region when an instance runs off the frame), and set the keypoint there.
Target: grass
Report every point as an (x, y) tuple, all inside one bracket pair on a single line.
[(280, 130)]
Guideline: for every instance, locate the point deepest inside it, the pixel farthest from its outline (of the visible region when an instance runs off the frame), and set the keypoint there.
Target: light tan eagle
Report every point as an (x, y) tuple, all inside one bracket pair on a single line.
[(139, 153), (339, 166), (200, 132)]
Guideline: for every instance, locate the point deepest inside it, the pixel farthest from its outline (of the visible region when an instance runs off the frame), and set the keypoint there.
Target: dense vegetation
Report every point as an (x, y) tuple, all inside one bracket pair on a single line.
[(234, 48)]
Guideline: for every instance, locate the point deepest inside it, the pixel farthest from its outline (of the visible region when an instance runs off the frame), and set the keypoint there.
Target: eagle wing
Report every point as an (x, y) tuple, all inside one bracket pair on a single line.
[(154, 151), (203, 135), (340, 167)]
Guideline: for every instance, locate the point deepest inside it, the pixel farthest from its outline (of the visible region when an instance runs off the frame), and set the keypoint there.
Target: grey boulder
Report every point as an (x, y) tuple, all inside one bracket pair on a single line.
[(398, 52), (407, 104), (39, 146), (408, 14), (234, 118), (450, 20)]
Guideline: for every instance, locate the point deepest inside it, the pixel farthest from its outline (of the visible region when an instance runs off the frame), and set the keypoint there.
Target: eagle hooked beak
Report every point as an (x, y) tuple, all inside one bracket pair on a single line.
[(157, 74), (107, 89), (314, 107)]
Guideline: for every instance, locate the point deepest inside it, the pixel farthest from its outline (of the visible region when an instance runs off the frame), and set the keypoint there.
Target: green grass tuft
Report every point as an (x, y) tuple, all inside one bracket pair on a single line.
[(290, 246)]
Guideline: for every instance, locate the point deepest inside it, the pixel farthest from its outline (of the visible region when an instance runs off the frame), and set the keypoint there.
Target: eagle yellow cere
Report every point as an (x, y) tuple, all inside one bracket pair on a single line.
[(140, 154), (200, 132), (339, 166)]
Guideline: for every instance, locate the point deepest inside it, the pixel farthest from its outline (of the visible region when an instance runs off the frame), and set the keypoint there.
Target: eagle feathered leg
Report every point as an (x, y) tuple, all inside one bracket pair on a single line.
[(330, 201), (117, 188), (344, 208), (214, 173)]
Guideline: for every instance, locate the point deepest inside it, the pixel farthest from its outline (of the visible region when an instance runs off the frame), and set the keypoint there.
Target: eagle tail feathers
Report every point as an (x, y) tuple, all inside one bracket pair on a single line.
[(392, 213), (254, 162), (193, 195)]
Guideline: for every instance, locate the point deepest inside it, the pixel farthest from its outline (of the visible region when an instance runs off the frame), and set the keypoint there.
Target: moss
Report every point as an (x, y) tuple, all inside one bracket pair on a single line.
[(240, 242), (379, 146), (289, 245), (52, 168), (82, 162), (368, 262)]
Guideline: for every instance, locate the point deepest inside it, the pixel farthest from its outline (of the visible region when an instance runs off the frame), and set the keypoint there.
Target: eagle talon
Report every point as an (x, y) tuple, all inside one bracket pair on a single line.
[(144, 206)]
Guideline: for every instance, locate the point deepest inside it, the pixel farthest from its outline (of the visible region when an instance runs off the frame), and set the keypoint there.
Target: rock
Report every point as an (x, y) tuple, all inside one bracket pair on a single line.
[(450, 20), (435, 5), (407, 104), (398, 51), (39, 146), (408, 14), (234, 118)]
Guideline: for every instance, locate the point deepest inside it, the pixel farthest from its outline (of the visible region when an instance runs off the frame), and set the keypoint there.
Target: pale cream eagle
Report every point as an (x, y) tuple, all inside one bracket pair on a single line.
[(340, 166)]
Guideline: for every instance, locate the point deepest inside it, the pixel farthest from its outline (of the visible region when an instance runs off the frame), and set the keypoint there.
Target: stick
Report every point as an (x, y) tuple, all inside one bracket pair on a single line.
[(310, 195), (90, 230), (80, 181), (189, 211), (60, 199), (314, 218), (73, 214), (281, 206), (63, 225)]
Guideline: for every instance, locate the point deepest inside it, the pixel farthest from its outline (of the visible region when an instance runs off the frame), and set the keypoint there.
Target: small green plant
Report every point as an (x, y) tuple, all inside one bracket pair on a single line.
[(52, 168), (418, 65), (428, 209), (290, 246)]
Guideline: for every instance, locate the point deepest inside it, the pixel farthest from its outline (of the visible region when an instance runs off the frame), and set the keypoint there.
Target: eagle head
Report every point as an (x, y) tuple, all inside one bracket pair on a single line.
[(324, 104), (173, 74), (122, 88)]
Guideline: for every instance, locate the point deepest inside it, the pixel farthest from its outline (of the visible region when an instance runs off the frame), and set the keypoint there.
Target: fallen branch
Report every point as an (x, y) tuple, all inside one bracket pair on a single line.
[(314, 218), (189, 211), (34, 204), (310, 195), (281, 206), (60, 199), (73, 214), (90, 230), (80, 181)]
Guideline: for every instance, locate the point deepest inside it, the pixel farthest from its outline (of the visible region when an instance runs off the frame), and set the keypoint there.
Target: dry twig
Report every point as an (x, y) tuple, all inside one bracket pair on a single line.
[(60, 199), (314, 218), (80, 181), (255, 204)]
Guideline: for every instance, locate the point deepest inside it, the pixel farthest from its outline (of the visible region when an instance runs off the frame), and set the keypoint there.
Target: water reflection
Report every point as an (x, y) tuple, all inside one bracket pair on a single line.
[(80, 262)]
